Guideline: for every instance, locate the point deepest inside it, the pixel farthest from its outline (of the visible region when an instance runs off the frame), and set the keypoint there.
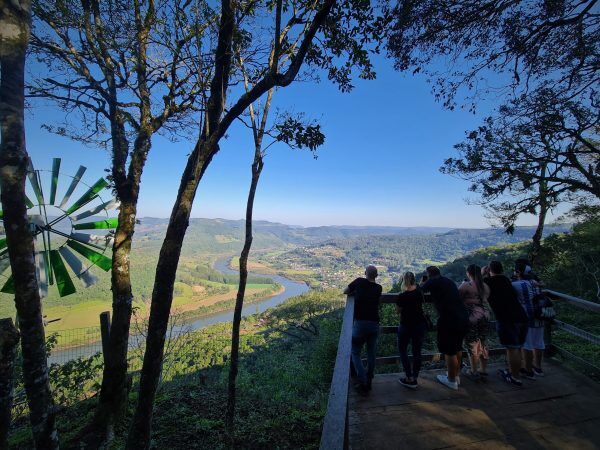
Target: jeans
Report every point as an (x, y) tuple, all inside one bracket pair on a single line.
[(364, 331), (406, 334)]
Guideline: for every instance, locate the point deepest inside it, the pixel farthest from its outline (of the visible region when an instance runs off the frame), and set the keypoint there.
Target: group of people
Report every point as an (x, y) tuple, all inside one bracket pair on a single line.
[(463, 320)]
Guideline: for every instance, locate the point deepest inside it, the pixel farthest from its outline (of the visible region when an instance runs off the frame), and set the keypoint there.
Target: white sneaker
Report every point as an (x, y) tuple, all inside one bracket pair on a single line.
[(456, 378), (443, 379)]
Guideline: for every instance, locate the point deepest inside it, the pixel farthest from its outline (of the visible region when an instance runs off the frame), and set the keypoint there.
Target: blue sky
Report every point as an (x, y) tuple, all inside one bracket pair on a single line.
[(385, 142)]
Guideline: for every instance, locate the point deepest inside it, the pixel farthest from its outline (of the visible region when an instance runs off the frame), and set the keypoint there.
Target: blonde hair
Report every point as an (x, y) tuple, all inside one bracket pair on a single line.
[(408, 280)]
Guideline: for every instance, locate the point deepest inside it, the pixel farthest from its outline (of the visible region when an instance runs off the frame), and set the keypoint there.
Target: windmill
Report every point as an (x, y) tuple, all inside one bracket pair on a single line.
[(70, 237)]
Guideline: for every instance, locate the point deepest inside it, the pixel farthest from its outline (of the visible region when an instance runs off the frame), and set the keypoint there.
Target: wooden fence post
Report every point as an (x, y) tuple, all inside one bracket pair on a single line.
[(9, 338), (550, 350), (105, 332)]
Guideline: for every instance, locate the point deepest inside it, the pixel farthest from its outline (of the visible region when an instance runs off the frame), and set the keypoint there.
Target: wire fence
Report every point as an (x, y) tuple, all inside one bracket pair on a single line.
[(68, 345)]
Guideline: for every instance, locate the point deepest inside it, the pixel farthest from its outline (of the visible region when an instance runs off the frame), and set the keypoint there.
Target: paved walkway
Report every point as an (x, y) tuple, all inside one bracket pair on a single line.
[(558, 411)]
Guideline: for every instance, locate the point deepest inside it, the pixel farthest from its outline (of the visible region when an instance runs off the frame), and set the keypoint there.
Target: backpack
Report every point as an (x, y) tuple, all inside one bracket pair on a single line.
[(543, 308)]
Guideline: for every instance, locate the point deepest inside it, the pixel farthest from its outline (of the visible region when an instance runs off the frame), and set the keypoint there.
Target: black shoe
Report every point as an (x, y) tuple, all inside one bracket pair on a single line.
[(362, 389), (506, 376), (538, 371), (527, 374), (409, 384)]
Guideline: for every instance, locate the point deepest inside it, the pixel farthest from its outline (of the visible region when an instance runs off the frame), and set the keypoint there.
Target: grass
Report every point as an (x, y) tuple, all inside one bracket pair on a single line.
[(282, 389)]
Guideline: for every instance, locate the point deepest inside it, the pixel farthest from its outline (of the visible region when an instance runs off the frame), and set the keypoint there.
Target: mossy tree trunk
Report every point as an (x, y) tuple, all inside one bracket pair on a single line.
[(15, 26)]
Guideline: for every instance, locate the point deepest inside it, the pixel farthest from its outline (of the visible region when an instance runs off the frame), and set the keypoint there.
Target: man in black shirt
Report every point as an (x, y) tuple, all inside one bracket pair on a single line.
[(365, 329), (452, 324), (511, 320)]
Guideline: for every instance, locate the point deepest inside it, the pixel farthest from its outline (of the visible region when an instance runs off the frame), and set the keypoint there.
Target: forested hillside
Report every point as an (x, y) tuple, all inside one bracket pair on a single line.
[(569, 262), (336, 261)]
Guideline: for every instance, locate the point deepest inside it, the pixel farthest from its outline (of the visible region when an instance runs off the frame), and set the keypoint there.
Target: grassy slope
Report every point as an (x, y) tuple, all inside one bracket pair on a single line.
[(283, 384)]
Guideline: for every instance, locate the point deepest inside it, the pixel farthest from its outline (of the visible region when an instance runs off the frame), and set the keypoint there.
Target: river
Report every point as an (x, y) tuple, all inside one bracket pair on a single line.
[(292, 288)]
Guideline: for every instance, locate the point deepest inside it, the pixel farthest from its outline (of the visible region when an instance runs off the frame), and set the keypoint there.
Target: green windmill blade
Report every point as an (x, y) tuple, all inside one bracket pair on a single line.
[(111, 204), (99, 259), (77, 267), (9, 286), (41, 268), (63, 279), (35, 184), (93, 240), (107, 224), (54, 182), (88, 196), (72, 186)]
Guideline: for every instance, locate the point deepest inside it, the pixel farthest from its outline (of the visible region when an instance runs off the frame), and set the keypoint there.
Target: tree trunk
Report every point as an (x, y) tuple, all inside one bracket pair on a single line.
[(543, 204), (9, 338), (162, 293), (257, 167), (15, 28), (114, 392)]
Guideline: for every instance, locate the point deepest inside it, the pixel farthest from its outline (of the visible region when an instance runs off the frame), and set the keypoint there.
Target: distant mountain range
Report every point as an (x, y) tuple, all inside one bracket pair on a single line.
[(222, 236)]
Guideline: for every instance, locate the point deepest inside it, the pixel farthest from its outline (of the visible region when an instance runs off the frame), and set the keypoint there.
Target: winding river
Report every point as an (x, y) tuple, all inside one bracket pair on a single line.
[(292, 288)]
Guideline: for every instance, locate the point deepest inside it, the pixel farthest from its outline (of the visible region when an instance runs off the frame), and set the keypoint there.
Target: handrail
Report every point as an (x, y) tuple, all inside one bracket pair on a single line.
[(585, 304), (334, 435)]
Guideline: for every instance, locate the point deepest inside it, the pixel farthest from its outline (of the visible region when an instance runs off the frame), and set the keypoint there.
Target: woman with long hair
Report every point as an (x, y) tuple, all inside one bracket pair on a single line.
[(474, 293), (412, 329)]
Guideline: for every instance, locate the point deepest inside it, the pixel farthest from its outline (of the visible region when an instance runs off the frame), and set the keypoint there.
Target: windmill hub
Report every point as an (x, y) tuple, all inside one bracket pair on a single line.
[(55, 221)]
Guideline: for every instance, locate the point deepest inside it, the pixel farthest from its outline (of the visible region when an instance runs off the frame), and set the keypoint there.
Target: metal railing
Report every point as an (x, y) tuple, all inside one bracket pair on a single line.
[(335, 425)]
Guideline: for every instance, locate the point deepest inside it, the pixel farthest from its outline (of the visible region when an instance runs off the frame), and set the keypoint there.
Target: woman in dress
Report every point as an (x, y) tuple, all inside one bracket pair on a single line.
[(474, 293)]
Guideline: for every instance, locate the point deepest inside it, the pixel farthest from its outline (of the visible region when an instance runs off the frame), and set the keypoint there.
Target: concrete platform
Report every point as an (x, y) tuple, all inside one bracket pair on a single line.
[(558, 411)]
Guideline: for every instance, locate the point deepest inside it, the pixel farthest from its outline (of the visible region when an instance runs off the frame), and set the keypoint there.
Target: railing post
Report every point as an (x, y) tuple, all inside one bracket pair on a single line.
[(335, 424), (105, 332), (550, 350)]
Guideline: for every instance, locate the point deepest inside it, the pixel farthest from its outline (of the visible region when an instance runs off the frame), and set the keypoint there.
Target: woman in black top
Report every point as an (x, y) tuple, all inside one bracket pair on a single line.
[(412, 329)]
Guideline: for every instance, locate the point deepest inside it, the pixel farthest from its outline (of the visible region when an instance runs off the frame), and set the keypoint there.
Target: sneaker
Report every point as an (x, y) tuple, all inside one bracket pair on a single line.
[(409, 384), (443, 379), (473, 376), (456, 378), (506, 376), (530, 375), (361, 389), (538, 371)]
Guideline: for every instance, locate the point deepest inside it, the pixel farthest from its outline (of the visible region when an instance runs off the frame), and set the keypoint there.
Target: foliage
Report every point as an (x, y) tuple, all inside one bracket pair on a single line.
[(521, 45), (337, 262), (299, 316), (189, 408), (537, 150)]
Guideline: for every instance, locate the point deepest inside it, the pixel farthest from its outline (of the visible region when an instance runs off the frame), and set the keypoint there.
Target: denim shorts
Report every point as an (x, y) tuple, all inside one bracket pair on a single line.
[(511, 335)]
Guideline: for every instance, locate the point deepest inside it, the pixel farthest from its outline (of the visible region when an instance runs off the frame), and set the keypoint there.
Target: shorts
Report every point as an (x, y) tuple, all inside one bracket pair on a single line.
[(534, 339), (450, 340), (511, 335)]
